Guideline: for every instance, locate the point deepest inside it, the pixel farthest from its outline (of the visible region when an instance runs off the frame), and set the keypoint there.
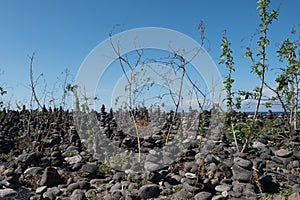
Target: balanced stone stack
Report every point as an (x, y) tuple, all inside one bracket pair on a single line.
[(50, 160)]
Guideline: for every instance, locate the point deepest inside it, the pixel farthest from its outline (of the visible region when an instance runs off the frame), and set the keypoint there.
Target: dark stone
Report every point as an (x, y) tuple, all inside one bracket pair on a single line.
[(218, 197), (271, 188), (33, 171), (78, 195), (182, 195), (149, 191), (52, 193), (44, 162), (50, 177), (296, 188), (90, 170), (226, 171), (6, 144), (8, 193), (203, 196), (56, 162), (277, 160), (11, 181), (117, 195), (247, 164), (27, 158), (171, 180), (23, 193), (117, 186), (154, 177), (266, 180), (209, 185), (241, 174), (84, 185), (283, 153)]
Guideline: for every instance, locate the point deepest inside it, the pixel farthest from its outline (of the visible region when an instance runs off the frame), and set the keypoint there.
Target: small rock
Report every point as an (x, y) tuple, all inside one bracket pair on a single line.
[(8, 193), (150, 166), (188, 181), (241, 174), (182, 195), (117, 186), (166, 192), (296, 188), (50, 177), (73, 160), (277, 197), (78, 185), (190, 175), (225, 169), (90, 169), (117, 194), (221, 188), (11, 181), (78, 195), (277, 159), (84, 185), (218, 197), (203, 196), (119, 176), (225, 193), (154, 177), (27, 158), (32, 171), (283, 153), (247, 164), (258, 145), (23, 193), (149, 191), (52, 193), (45, 162), (98, 182), (41, 189), (190, 166), (296, 164), (294, 196)]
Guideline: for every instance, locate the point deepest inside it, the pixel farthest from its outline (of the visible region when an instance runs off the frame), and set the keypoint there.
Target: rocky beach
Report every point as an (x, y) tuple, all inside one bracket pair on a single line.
[(42, 156)]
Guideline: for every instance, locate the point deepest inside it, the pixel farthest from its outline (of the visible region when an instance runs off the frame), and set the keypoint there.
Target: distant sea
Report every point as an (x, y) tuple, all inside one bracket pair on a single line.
[(274, 112)]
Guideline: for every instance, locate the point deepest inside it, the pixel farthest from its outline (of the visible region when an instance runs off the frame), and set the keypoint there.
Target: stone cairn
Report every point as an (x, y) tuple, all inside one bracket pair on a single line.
[(56, 154)]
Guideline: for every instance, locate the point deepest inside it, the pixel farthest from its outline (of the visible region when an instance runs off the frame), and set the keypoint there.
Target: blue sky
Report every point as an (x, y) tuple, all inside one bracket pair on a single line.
[(64, 32)]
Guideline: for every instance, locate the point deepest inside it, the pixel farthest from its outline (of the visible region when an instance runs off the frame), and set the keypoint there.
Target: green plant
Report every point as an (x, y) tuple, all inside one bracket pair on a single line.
[(227, 59), (247, 133), (141, 182), (119, 159), (288, 80), (290, 145), (286, 91), (7, 156), (286, 192), (91, 195), (260, 66), (204, 122), (103, 169), (46, 140), (263, 196), (175, 189)]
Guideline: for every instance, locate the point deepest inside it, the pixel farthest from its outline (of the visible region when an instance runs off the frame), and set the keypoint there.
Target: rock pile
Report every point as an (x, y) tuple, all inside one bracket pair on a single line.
[(43, 156)]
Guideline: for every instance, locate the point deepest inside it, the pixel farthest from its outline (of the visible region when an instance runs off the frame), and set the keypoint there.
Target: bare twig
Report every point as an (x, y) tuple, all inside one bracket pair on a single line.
[(32, 83)]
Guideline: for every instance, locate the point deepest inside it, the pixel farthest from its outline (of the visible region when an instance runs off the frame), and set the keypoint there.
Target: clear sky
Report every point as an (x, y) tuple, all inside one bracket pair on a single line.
[(63, 32)]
